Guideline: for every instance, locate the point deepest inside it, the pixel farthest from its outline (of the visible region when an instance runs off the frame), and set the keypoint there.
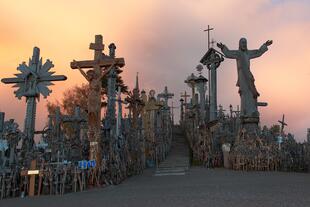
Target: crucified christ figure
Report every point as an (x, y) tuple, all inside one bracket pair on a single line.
[(94, 77)]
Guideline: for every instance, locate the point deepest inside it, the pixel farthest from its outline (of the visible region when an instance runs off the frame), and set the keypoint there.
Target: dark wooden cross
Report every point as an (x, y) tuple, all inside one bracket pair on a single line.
[(32, 173), (208, 30), (185, 96), (165, 95), (76, 120), (99, 67), (283, 124)]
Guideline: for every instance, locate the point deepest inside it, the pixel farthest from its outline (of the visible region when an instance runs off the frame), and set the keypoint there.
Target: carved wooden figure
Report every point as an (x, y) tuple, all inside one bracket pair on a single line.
[(99, 67)]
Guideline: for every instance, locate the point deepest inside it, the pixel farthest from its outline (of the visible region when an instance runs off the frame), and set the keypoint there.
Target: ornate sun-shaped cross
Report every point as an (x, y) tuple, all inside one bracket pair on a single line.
[(32, 82)]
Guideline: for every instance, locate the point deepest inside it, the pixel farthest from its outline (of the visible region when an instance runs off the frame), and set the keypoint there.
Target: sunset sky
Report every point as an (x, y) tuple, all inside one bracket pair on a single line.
[(163, 40)]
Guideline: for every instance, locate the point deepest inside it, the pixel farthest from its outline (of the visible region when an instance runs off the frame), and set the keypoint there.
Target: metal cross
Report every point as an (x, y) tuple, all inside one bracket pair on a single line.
[(165, 95), (208, 30), (33, 80), (98, 70)]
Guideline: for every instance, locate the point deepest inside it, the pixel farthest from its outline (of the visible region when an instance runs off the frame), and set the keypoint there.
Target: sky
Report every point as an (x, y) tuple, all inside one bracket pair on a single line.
[(164, 41)]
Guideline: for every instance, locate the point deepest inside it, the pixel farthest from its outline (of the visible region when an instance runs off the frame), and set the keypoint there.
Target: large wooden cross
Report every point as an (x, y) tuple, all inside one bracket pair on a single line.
[(166, 95), (32, 173), (283, 124), (99, 67), (185, 96)]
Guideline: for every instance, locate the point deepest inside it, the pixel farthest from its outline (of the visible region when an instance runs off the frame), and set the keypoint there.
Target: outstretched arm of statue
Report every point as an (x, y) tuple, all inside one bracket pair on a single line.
[(233, 54), (82, 72), (108, 70), (261, 50)]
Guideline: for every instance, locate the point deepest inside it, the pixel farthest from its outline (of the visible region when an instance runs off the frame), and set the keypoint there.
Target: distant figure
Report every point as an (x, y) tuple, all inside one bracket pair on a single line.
[(247, 89)]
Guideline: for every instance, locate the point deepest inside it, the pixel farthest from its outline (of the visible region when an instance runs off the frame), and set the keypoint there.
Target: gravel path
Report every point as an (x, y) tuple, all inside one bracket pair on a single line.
[(199, 187)]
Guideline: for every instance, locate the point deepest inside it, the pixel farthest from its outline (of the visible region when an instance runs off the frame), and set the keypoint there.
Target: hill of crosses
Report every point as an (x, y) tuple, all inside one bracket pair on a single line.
[(81, 147)]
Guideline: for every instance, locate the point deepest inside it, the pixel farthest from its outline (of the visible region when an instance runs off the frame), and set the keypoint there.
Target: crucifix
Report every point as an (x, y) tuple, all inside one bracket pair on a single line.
[(33, 80), (283, 124), (98, 68), (166, 95), (185, 96)]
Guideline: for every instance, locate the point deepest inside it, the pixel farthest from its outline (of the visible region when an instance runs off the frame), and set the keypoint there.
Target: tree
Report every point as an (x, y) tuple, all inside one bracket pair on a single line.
[(78, 95)]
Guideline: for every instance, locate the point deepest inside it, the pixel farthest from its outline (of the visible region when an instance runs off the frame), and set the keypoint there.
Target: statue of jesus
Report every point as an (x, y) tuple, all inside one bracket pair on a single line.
[(247, 89)]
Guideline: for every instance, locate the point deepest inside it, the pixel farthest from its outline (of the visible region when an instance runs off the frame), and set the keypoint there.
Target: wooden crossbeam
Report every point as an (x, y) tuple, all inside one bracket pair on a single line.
[(92, 63)]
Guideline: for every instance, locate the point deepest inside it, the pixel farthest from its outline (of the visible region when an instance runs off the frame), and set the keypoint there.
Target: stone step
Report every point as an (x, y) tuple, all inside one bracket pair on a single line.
[(177, 162)]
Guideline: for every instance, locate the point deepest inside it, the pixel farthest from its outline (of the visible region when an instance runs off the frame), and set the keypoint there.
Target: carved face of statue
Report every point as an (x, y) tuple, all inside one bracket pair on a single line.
[(243, 44)]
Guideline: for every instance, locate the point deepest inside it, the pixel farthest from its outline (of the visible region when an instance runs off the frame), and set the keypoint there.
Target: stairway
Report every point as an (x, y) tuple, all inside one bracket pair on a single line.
[(177, 162)]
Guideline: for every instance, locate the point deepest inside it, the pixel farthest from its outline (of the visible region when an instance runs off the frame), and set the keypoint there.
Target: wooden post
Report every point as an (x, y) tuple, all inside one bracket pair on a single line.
[(31, 173)]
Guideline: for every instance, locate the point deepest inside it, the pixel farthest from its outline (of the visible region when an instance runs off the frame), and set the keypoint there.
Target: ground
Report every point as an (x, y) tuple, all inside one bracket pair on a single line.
[(199, 187)]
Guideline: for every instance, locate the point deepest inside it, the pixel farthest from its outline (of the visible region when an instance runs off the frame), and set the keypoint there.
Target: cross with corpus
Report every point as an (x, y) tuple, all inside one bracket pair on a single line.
[(165, 95), (99, 67), (282, 124)]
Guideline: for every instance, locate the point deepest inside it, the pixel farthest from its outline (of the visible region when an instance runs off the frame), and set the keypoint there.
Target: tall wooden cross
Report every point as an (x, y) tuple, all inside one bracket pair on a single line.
[(33, 80), (185, 96), (283, 124), (166, 95), (32, 172), (99, 67)]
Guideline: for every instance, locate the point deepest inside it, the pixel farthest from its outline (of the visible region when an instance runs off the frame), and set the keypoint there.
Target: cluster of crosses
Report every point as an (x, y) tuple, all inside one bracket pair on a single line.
[(233, 138), (95, 151)]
